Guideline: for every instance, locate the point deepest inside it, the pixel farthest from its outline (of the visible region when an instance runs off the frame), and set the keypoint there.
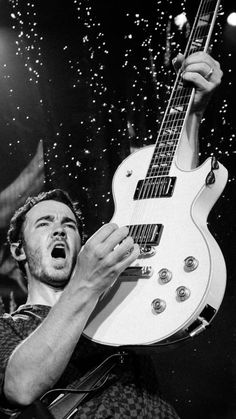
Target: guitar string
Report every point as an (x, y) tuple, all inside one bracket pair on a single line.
[(163, 164), (168, 154), (162, 156), (171, 130), (149, 187)]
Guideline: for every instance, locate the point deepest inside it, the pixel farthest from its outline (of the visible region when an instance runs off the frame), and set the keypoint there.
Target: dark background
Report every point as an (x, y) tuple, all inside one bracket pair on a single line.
[(72, 75)]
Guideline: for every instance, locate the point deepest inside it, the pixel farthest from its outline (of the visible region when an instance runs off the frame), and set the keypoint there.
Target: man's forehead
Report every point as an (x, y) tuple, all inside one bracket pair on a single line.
[(49, 208)]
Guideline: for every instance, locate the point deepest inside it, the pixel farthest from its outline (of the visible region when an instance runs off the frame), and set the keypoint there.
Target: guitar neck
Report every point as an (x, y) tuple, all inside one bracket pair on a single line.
[(181, 98)]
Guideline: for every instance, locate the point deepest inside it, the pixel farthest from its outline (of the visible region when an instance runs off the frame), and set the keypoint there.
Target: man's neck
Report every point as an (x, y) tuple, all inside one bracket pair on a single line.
[(43, 294)]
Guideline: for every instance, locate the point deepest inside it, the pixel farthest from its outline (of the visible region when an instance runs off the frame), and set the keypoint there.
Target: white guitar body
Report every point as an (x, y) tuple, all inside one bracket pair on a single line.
[(128, 314)]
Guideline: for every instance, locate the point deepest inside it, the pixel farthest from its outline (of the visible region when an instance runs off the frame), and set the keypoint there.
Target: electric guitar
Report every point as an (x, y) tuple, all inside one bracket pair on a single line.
[(175, 288)]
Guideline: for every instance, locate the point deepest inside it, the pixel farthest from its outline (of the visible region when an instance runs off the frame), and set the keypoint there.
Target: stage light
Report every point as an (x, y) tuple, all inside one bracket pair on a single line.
[(231, 19)]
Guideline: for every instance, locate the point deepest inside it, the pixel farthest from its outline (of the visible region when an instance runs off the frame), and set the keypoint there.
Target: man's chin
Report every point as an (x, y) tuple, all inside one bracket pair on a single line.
[(58, 275), (59, 263), (56, 281)]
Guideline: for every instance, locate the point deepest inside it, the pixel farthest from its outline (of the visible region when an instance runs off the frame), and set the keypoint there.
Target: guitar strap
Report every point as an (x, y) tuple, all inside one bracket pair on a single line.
[(68, 400)]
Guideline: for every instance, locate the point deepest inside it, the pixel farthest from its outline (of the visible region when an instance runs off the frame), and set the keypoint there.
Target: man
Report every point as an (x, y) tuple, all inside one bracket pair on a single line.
[(41, 344)]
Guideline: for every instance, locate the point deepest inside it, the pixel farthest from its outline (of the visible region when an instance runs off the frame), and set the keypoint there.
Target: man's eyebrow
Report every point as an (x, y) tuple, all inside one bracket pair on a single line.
[(69, 220), (45, 218)]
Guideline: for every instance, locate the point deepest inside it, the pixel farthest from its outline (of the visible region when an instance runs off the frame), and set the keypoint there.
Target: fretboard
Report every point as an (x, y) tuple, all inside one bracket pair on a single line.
[(181, 97)]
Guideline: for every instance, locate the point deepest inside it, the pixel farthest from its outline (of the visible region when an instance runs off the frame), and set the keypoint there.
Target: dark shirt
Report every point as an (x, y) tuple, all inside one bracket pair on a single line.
[(131, 392)]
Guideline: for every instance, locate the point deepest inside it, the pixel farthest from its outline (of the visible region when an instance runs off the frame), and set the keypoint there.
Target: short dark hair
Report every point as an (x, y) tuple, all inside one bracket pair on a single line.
[(15, 229)]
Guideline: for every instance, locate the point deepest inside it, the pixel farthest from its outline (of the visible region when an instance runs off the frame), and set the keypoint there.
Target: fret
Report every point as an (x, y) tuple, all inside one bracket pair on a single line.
[(170, 131), (179, 103), (166, 144), (172, 123), (166, 154), (162, 146), (158, 167), (180, 85), (192, 50), (169, 136), (176, 110), (181, 111), (198, 43), (170, 145), (182, 99), (161, 165), (161, 172), (182, 107), (160, 162), (171, 142), (181, 94), (204, 20), (165, 135)]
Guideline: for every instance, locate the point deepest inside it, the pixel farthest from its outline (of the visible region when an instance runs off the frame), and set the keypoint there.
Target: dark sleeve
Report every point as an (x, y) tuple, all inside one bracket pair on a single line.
[(10, 337), (13, 330)]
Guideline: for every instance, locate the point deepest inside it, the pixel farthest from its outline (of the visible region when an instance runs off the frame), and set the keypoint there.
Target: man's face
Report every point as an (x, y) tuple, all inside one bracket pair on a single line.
[(51, 242)]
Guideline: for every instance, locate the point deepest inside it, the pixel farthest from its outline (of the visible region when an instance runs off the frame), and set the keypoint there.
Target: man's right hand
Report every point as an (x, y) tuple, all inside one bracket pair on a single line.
[(103, 258)]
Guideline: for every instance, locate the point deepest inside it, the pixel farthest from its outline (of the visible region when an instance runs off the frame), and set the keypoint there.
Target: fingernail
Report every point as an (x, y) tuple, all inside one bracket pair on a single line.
[(174, 60)]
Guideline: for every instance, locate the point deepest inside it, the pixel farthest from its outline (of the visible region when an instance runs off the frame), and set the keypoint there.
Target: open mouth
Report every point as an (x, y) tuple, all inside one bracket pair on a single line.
[(58, 252)]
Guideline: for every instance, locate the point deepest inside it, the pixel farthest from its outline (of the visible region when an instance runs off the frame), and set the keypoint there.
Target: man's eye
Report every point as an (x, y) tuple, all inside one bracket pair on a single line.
[(43, 224), (73, 226)]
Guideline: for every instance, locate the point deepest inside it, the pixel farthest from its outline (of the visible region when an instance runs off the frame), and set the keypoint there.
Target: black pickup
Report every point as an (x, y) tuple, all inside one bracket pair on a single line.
[(146, 234), (155, 187)]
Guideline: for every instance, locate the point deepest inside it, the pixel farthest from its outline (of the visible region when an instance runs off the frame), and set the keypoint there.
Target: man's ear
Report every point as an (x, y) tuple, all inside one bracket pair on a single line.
[(17, 251)]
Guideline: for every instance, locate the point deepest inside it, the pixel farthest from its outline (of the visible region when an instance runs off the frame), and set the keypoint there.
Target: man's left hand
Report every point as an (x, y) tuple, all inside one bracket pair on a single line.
[(203, 72)]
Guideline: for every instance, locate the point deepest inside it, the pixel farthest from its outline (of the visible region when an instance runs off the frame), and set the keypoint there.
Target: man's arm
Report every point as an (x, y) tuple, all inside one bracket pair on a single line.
[(39, 361), (204, 73)]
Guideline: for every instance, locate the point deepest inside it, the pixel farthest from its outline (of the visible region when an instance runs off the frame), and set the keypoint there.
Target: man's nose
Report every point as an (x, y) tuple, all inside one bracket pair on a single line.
[(59, 231)]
